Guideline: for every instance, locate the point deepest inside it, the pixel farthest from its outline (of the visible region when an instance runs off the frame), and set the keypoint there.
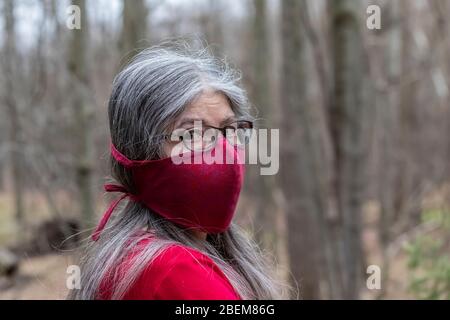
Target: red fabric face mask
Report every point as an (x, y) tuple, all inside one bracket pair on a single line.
[(197, 193)]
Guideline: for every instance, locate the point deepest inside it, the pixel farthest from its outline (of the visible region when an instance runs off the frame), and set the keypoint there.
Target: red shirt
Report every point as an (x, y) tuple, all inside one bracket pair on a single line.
[(181, 273)]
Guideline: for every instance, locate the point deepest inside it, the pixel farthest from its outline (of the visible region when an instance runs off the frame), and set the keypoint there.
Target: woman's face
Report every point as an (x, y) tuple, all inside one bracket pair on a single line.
[(211, 108)]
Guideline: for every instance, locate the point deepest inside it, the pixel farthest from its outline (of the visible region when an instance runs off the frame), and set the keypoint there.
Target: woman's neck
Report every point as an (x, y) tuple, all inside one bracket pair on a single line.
[(199, 234)]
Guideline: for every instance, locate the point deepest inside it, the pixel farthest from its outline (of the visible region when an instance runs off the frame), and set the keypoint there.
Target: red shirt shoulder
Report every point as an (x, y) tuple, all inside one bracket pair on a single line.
[(182, 273)]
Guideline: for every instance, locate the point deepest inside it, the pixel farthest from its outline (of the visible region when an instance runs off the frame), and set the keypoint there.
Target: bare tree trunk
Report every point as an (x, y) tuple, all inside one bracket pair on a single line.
[(408, 178), (303, 241), (77, 65), (9, 61), (2, 176), (211, 24), (318, 149), (349, 126), (388, 111), (442, 26), (262, 187), (134, 27)]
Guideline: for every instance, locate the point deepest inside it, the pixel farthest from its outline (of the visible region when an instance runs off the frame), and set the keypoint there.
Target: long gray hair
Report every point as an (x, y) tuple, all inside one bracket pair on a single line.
[(147, 97)]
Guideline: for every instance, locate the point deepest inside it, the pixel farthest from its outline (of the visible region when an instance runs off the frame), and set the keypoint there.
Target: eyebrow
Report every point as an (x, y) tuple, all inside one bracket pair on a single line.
[(189, 121), (192, 120), (228, 120)]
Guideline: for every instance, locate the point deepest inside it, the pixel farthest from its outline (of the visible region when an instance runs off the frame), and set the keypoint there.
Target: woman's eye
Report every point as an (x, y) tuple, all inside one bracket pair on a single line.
[(191, 134), (243, 125), (230, 129)]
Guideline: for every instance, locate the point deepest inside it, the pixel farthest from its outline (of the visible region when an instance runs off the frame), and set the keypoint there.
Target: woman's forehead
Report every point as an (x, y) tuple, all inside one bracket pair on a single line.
[(212, 108)]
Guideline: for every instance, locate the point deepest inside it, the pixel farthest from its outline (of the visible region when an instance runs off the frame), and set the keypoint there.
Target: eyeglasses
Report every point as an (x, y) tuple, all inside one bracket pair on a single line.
[(203, 137)]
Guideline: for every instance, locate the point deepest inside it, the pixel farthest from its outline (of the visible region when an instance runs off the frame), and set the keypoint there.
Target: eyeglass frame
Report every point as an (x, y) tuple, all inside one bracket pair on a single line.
[(222, 130)]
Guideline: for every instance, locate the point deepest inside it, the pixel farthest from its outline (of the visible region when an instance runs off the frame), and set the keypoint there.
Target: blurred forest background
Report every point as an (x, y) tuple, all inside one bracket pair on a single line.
[(364, 119)]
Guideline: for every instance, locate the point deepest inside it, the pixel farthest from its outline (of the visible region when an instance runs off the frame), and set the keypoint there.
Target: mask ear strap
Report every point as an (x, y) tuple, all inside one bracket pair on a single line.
[(114, 188), (111, 188), (123, 160)]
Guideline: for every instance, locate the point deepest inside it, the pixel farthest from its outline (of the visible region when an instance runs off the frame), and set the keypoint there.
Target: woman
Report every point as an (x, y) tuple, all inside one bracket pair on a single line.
[(174, 239)]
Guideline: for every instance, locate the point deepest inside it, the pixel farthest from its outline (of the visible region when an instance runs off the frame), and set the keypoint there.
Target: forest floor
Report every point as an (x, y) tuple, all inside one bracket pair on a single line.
[(44, 277)]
